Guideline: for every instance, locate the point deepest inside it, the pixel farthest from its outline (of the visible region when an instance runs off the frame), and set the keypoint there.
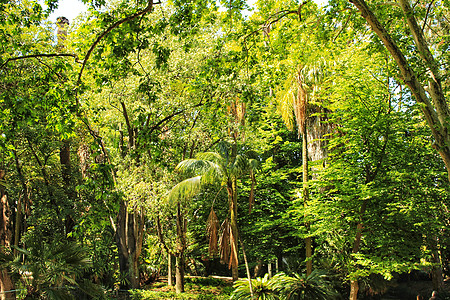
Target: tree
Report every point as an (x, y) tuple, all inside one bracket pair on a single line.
[(224, 167), (428, 90), (360, 185), (296, 100)]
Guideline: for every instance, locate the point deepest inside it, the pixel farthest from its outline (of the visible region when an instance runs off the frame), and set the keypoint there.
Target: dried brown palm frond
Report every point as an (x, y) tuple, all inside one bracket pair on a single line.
[(224, 241), (212, 228), (300, 104)]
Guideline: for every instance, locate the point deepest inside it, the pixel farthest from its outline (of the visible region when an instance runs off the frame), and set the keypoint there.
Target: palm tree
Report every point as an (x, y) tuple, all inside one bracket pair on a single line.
[(52, 270), (295, 108), (224, 167)]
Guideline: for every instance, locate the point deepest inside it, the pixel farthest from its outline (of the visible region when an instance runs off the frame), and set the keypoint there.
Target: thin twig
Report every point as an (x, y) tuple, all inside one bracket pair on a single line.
[(426, 16)]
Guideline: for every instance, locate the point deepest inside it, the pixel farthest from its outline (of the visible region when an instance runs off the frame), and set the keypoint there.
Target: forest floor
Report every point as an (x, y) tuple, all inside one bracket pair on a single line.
[(196, 288), (220, 288)]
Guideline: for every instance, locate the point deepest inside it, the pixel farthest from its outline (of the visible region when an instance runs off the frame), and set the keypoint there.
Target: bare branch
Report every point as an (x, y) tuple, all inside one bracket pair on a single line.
[(39, 55)]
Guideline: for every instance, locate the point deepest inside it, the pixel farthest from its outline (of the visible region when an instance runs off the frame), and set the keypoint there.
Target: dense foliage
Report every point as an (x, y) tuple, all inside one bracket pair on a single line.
[(238, 138)]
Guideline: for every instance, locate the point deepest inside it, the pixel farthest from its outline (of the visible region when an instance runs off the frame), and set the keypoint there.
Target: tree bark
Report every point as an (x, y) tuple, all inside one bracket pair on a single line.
[(436, 271), (6, 283), (354, 287), (234, 234), (179, 273), (305, 192), (169, 270), (249, 278), (181, 246), (437, 116), (277, 265), (130, 232), (122, 241)]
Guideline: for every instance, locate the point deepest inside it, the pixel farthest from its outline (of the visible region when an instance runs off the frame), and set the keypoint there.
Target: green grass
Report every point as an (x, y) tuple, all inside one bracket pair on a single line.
[(195, 289)]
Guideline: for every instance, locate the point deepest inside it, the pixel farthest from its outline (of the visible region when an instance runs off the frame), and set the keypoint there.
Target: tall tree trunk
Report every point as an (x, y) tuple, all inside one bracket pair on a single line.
[(305, 192), (277, 266), (6, 283), (66, 172), (258, 268), (249, 278), (234, 234), (436, 270), (122, 244), (181, 246), (354, 287), (130, 232), (179, 273), (169, 270), (17, 226)]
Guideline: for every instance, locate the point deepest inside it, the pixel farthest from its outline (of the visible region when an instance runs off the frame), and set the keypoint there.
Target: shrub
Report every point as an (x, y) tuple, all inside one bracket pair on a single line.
[(284, 287)]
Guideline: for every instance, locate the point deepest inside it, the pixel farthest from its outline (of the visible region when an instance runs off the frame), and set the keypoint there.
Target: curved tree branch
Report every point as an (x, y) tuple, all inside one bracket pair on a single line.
[(104, 33)]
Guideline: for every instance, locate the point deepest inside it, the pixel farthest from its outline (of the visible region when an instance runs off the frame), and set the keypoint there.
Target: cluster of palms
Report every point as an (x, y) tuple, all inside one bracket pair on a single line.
[(284, 287), (51, 270)]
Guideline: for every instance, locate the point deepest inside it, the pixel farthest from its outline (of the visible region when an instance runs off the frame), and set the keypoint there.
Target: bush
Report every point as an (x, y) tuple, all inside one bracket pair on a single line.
[(283, 287)]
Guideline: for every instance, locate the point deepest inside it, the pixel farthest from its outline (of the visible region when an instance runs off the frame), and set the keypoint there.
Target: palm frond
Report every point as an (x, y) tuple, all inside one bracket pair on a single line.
[(300, 104), (193, 166), (285, 99), (255, 165), (210, 156), (212, 228), (224, 241), (224, 149), (303, 287), (185, 189), (240, 166)]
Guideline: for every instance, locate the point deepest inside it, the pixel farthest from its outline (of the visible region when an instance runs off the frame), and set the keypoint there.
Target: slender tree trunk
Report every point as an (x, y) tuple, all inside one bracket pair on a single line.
[(257, 269), (6, 283), (269, 269), (179, 273), (169, 270), (249, 278), (277, 266), (354, 287), (234, 234), (436, 270), (308, 240), (19, 202), (130, 232), (122, 243), (181, 246)]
